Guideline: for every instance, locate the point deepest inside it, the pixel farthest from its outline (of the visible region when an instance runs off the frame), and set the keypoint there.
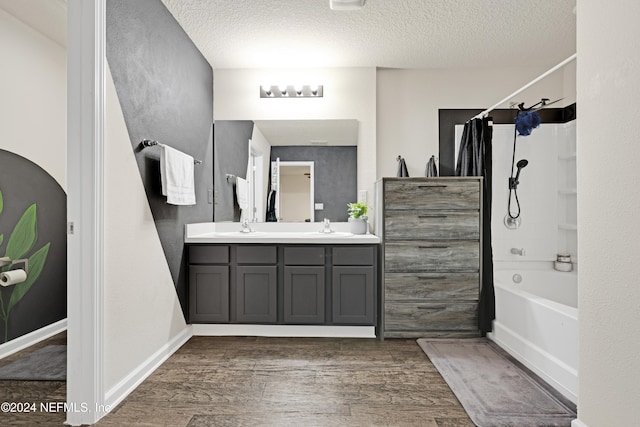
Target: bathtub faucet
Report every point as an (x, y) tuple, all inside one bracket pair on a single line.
[(517, 251)]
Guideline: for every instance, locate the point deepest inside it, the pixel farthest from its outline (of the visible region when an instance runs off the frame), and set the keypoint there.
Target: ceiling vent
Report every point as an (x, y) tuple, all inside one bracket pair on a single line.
[(346, 4)]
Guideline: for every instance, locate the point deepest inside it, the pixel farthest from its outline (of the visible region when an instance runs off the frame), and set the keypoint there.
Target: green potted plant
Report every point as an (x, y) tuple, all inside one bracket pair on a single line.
[(358, 217)]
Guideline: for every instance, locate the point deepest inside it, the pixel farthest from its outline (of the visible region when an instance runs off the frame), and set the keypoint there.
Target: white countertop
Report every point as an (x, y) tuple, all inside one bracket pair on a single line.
[(275, 232)]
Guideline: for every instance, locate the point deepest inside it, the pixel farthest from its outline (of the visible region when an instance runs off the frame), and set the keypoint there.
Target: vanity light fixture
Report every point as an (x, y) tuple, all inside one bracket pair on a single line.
[(290, 91), (266, 89)]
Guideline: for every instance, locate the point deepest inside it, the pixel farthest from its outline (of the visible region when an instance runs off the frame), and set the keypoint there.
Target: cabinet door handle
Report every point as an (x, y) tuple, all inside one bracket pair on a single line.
[(433, 247), (432, 186), (432, 216), (433, 277)]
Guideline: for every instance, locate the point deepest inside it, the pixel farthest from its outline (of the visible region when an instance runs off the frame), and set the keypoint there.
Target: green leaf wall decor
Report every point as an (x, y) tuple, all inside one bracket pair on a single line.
[(24, 234)]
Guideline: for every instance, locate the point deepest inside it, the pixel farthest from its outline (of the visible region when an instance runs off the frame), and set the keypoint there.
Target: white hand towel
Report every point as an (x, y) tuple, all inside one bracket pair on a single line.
[(176, 172), (242, 193)]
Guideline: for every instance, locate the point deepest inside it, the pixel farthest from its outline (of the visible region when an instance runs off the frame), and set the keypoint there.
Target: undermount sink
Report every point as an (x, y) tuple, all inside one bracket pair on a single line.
[(241, 233), (332, 234)]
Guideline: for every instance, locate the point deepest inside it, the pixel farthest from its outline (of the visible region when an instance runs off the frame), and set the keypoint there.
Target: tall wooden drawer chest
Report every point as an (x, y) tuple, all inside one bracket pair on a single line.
[(431, 230)]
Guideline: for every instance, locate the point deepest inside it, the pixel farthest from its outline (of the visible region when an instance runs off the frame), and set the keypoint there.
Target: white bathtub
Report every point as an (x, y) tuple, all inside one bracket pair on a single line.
[(537, 323)]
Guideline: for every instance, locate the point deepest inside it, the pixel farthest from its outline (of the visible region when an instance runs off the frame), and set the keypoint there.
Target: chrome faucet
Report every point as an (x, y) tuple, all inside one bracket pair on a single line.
[(245, 227), (517, 251), (327, 226)]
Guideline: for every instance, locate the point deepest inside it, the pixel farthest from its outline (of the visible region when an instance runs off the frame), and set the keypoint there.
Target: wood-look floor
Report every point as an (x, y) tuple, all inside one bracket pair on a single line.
[(282, 382), (33, 392)]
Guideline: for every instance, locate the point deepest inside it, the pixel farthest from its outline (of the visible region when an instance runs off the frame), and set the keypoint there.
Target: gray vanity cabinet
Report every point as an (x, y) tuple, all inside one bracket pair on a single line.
[(256, 285), (209, 293), (431, 229), (209, 283), (287, 284), (353, 285), (304, 285)]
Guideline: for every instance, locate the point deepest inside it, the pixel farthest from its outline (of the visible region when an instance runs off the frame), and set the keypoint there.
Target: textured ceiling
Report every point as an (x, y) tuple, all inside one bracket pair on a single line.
[(385, 33)]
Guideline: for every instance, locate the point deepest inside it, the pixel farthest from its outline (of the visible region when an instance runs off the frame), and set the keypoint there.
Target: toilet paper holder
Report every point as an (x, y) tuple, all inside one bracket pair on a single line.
[(4, 261)]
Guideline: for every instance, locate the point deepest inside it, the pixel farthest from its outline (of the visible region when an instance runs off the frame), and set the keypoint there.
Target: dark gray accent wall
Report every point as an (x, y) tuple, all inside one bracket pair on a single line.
[(165, 89), (336, 176), (231, 155), (23, 184)]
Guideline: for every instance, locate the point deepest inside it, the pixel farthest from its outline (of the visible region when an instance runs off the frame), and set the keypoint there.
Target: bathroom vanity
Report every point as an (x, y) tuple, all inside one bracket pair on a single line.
[(281, 275)]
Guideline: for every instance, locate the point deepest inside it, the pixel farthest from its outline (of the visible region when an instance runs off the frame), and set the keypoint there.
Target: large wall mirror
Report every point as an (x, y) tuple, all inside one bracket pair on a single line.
[(293, 170)]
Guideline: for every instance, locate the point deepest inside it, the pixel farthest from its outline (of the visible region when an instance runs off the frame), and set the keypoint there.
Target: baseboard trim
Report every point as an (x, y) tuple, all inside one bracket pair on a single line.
[(27, 340), (121, 390), (308, 331), (578, 423)]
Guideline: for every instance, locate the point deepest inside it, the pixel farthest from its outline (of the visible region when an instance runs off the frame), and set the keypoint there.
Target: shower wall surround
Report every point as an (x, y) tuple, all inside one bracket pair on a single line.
[(165, 89), (547, 192)]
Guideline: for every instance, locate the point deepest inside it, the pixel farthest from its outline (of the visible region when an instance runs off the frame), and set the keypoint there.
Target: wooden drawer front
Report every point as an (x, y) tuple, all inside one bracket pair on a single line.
[(431, 194), (460, 225), (353, 255), (431, 316), (432, 256), (208, 254), (304, 255), (256, 254), (438, 286)]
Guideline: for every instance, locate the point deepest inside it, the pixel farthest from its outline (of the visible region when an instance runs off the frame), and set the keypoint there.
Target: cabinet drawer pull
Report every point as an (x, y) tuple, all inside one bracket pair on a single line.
[(432, 186), (432, 216), (433, 247), (433, 277), (433, 307)]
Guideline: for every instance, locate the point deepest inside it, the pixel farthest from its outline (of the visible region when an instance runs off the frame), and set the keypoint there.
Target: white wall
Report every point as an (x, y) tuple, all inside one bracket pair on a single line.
[(608, 206), (141, 308), (33, 96), (349, 93), (408, 103)]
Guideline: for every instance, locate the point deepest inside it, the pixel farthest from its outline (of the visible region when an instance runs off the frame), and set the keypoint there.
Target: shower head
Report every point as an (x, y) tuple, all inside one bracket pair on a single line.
[(514, 181), (521, 164)]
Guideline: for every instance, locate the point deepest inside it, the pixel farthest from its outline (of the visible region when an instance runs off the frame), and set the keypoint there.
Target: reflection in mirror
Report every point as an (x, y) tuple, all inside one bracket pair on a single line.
[(245, 149), (293, 184)]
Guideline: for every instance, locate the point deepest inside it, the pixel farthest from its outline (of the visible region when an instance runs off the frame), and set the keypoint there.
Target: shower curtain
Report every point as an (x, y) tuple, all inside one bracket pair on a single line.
[(474, 159)]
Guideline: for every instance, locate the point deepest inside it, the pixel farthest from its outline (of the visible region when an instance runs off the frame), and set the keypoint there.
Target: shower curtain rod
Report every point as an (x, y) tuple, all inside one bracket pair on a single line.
[(525, 87)]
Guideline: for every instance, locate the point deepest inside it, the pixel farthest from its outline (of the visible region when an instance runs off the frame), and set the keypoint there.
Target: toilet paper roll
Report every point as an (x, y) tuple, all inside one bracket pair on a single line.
[(13, 277)]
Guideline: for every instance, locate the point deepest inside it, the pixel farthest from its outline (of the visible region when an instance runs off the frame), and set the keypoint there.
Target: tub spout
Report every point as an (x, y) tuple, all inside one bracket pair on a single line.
[(517, 251)]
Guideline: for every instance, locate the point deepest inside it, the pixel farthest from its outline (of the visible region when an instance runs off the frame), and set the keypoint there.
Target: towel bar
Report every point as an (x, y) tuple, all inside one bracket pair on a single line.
[(150, 143)]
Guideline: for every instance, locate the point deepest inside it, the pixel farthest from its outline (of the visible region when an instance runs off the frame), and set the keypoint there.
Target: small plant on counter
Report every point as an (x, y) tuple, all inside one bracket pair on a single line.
[(357, 210), (358, 217)]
